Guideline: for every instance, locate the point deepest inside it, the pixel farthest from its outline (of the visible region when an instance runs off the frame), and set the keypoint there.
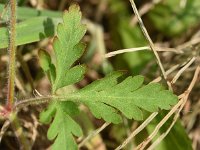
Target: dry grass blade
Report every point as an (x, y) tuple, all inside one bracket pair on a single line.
[(152, 135), (182, 70), (193, 80), (189, 43), (153, 146), (158, 79), (111, 54), (94, 133), (145, 8), (128, 50), (149, 40), (135, 132), (180, 104)]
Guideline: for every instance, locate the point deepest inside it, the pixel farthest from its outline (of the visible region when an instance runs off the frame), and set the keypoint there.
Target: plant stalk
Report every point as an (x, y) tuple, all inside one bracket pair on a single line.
[(16, 126), (12, 51)]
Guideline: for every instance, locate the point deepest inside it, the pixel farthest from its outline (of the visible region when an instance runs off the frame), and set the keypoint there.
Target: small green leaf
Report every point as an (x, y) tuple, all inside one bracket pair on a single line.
[(45, 60), (68, 48), (46, 64), (63, 126), (128, 96), (46, 116), (72, 76)]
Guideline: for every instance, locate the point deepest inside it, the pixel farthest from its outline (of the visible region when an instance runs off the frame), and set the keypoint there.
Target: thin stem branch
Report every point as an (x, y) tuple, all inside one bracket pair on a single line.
[(11, 49), (149, 40), (40, 100), (35, 100)]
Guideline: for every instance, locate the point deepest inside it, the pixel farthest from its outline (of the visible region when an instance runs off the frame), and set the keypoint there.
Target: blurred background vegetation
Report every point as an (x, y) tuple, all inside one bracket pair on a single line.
[(174, 26)]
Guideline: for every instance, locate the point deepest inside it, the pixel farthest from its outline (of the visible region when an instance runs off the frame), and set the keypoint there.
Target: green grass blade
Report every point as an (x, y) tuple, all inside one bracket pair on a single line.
[(24, 13), (31, 30)]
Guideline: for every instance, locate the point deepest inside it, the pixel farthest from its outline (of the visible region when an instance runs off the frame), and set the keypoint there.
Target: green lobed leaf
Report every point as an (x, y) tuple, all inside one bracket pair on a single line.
[(128, 96), (68, 48), (47, 115), (63, 126), (106, 98)]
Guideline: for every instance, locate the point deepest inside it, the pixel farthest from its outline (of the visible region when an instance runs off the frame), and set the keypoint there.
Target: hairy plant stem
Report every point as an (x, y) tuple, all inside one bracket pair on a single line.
[(11, 49), (15, 123)]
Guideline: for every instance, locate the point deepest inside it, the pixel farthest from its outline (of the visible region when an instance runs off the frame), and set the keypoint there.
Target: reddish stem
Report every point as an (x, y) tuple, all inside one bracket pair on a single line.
[(11, 49)]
